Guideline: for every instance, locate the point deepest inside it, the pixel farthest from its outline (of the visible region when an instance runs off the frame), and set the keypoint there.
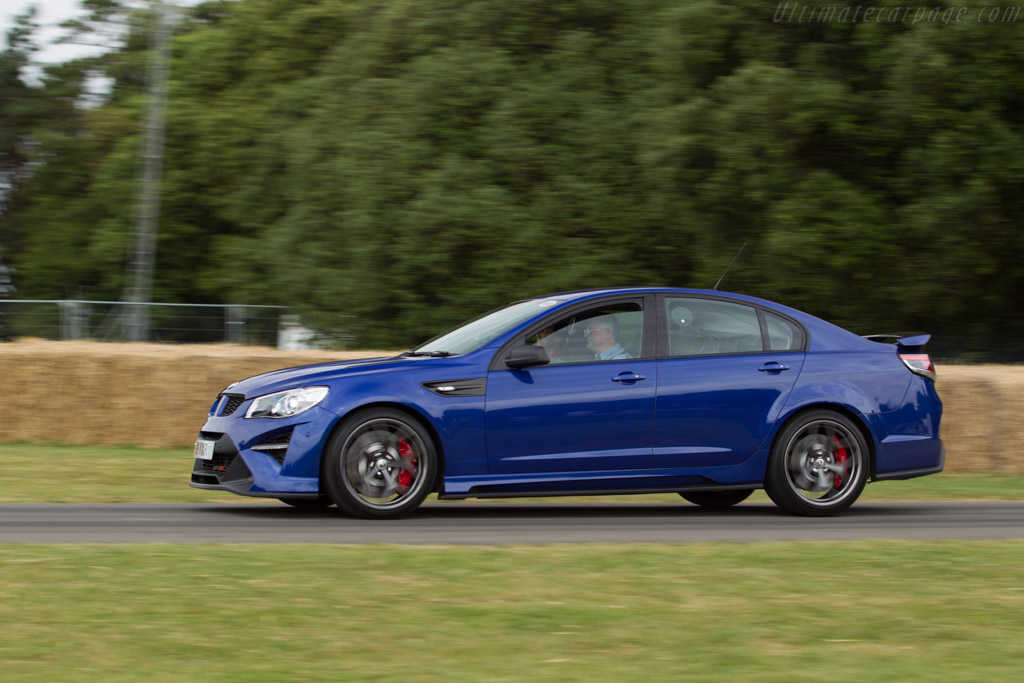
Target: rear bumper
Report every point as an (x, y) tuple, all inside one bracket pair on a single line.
[(918, 472), (910, 444)]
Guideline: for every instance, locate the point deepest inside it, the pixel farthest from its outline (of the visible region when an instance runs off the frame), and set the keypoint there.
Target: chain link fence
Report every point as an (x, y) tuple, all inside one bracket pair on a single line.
[(71, 319)]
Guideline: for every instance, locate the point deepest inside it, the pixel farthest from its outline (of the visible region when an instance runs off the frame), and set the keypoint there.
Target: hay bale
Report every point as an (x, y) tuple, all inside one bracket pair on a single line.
[(982, 422), (151, 395), (158, 395)]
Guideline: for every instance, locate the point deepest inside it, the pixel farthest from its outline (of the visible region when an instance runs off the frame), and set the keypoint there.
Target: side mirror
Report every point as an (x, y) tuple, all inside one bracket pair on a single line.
[(527, 356)]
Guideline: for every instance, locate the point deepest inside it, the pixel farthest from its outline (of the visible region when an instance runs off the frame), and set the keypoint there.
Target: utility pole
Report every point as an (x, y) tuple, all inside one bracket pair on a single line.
[(142, 259), (6, 288)]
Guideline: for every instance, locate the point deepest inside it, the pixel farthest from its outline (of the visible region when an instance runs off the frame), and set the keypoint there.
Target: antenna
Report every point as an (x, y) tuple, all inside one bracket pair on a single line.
[(715, 288)]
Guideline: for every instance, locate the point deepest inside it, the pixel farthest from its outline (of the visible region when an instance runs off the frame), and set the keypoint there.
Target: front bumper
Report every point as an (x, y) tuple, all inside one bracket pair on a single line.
[(264, 457)]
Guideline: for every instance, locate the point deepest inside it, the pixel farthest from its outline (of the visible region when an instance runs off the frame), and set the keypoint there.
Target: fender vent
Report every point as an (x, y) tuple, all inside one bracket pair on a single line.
[(476, 386)]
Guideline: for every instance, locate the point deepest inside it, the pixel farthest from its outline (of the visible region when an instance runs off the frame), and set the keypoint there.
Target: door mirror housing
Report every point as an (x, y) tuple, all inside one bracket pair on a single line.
[(527, 356)]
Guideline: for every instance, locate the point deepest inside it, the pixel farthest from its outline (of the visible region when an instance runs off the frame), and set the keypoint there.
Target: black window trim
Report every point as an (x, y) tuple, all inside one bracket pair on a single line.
[(662, 315), (761, 311), (650, 326)]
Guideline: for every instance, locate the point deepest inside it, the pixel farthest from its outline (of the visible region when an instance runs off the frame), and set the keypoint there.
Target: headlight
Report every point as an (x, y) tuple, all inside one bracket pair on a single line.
[(286, 403)]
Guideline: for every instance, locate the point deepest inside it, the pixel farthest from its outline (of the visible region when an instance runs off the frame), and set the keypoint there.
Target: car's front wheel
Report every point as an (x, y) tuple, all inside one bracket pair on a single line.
[(379, 464), (818, 465), (716, 499)]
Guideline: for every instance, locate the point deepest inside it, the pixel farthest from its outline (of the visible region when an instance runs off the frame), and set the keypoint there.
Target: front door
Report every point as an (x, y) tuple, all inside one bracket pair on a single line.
[(590, 409)]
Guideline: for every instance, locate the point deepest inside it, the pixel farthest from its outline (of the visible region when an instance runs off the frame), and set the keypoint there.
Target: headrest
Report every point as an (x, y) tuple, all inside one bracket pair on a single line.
[(681, 316)]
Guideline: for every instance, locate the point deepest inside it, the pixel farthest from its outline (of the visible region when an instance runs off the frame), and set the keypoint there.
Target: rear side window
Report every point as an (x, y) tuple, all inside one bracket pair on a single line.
[(782, 334), (701, 327)]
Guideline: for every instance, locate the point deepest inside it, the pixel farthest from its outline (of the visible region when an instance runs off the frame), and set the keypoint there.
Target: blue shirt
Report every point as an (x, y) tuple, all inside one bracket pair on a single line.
[(613, 353)]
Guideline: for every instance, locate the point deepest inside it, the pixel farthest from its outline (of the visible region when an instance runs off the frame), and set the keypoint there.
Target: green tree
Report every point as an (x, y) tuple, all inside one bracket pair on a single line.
[(19, 107), (415, 162)]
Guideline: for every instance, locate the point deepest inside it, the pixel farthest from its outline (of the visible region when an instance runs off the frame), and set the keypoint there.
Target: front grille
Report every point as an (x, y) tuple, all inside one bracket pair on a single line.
[(225, 469), (231, 403), (220, 462)]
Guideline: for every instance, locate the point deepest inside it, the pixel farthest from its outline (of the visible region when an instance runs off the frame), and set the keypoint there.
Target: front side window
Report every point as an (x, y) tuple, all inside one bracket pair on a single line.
[(610, 332), (701, 327)]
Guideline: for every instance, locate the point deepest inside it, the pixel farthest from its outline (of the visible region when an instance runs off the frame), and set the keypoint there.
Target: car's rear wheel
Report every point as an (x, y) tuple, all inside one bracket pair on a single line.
[(716, 499), (380, 464), (317, 503), (818, 465)]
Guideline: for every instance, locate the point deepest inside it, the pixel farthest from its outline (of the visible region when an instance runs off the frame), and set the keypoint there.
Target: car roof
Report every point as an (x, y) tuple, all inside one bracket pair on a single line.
[(824, 335), (582, 294)]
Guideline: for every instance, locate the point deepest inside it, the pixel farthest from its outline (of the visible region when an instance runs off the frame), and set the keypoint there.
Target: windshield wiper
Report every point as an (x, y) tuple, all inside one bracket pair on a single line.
[(432, 354)]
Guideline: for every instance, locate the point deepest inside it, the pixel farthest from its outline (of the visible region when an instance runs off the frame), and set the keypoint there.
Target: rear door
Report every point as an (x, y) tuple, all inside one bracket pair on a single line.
[(725, 369)]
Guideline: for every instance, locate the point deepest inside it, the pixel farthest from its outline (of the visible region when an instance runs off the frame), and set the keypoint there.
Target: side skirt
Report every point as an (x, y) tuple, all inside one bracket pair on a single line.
[(748, 475), (595, 492)]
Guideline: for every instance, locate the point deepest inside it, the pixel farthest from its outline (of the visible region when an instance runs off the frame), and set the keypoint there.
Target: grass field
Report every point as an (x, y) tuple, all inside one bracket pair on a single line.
[(863, 611), (117, 474), (853, 611)]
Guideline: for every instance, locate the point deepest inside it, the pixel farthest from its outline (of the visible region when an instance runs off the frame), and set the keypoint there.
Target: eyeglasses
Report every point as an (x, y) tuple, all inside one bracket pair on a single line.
[(590, 330)]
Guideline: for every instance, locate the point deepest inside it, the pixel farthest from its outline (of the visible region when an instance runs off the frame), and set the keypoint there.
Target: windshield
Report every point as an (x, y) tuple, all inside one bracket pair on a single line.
[(472, 335)]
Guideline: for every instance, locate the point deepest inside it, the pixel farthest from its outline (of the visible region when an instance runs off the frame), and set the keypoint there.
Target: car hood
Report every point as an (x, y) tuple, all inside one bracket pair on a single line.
[(309, 375)]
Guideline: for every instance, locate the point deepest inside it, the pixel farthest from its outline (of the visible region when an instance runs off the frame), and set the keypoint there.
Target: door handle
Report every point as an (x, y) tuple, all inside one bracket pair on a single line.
[(772, 366), (627, 377)]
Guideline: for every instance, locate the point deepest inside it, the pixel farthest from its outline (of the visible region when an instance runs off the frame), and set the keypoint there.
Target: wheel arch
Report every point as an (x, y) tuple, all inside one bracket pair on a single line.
[(845, 411), (414, 414)]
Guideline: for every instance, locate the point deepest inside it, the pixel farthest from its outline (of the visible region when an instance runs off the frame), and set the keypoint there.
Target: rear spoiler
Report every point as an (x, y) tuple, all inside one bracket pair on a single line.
[(908, 342)]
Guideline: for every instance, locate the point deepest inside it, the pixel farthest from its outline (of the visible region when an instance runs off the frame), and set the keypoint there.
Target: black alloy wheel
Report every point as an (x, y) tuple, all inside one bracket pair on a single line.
[(818, 465), (379, 464)]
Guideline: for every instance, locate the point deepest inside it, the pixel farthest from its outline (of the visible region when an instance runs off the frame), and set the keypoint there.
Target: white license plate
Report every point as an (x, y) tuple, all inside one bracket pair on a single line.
[(204, 450)]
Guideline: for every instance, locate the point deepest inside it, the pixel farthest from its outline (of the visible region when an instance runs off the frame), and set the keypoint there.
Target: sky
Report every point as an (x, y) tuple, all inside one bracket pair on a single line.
[(49, 16)]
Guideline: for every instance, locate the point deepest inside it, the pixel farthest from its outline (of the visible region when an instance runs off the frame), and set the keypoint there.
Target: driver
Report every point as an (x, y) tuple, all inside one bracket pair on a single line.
[(602, 338)]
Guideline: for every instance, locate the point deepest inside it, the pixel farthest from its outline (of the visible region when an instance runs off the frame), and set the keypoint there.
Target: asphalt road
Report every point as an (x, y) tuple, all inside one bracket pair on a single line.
[(504, 523)]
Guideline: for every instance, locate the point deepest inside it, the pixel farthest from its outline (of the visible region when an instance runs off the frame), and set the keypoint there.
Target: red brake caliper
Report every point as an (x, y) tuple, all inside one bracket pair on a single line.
[(405, 451), (841, 459)]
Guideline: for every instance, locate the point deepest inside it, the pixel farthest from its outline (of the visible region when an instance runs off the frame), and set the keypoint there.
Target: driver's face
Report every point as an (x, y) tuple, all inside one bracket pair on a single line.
[(598, 338)]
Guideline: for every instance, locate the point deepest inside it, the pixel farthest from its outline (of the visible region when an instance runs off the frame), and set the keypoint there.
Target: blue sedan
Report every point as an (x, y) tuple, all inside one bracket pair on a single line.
[(616, 391)]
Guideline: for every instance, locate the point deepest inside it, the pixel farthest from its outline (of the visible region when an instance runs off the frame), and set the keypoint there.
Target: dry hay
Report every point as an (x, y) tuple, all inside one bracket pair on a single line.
[(158, 395), (983, 417), (152, 395)]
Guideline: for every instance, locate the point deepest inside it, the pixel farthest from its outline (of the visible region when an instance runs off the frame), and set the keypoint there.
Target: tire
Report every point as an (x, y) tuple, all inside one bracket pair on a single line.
[(309, 503), (379, 464), (716, 499), (818, 465)]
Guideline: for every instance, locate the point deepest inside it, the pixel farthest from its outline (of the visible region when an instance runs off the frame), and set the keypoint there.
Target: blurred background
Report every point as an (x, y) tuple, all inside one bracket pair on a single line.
[(379, 170)]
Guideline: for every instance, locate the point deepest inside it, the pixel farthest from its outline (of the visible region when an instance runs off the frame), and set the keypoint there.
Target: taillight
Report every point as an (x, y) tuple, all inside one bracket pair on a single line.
[(919, 364)]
